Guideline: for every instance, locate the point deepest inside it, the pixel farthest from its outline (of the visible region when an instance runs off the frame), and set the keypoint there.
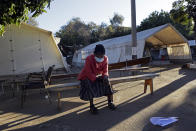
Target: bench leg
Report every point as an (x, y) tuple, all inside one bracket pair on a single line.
[(150, 83), (59, 100), (151, 86), (145, 86)]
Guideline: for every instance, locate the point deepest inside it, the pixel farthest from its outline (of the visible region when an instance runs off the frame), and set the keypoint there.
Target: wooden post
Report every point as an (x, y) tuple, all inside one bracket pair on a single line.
[(150, 83), (59, 100), (151, 86), (145, 86)]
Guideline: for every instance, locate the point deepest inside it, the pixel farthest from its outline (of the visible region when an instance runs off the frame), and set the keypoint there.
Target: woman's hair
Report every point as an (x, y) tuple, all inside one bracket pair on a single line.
[(99, 49)]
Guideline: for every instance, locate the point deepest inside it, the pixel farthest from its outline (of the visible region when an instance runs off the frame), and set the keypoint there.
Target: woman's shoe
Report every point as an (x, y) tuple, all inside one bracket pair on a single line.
[(111, 106), (93, 110)]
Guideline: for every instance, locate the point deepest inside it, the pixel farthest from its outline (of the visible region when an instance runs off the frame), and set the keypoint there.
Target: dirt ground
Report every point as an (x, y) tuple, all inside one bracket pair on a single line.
[(174, 95)]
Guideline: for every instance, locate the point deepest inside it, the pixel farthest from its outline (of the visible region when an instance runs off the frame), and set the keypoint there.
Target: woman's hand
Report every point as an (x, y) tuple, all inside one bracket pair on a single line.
[(105, 80)]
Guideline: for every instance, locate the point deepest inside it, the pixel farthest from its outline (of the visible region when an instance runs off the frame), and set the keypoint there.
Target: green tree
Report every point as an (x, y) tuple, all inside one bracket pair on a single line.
[(93, 28), (121, 31), (159, 18), (184, 12), (74, 35), (117, 20), (155, 19), (116, 29), (16, 11), (110, 31), (102, 31)]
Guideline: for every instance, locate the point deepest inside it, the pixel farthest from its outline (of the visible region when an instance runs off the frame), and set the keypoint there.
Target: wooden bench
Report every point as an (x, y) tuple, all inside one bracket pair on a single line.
[(66, 86), (134, 70), (68, 76), (131, 69)]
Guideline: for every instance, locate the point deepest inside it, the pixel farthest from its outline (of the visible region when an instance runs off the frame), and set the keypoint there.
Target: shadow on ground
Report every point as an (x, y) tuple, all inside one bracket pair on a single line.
[(186, 111), (81, 119)]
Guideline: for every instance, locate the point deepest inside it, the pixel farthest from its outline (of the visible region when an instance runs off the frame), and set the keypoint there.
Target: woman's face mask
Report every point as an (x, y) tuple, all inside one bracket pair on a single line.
[(99, 59)]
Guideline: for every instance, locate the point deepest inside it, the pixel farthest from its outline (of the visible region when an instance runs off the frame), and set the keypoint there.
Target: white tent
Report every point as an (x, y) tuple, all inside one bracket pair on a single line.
[(26, 48), (119, 49)]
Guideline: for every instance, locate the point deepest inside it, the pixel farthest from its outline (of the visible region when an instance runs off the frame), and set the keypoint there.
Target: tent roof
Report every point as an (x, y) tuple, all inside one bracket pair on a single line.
[(37, 28), (162, 35), (55, 39)]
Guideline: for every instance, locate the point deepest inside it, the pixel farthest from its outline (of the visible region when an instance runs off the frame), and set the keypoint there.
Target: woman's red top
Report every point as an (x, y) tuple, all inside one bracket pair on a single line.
[(93, 68)]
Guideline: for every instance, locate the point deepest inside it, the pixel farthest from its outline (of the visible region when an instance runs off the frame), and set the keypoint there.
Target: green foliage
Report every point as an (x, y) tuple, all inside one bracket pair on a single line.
[(159, 18), (16, 11), (74, 35), (184, 12), (117, 20), (155, 19)]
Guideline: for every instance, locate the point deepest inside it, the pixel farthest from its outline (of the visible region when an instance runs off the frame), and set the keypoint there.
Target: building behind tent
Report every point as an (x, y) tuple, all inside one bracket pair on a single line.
[(25, 49), (164, 37)]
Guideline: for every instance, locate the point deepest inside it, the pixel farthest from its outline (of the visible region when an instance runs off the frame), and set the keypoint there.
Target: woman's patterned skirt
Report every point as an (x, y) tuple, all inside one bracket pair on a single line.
[(98, 88)]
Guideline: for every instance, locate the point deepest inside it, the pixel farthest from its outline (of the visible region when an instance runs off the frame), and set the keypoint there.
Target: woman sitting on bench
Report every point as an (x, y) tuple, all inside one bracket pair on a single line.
[(94, 79)]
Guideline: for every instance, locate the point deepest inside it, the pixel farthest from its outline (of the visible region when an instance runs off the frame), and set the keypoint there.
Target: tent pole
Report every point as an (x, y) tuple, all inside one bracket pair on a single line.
[(12, 53), (12, 57), (133, 30), (13, 63), (41, 55)]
